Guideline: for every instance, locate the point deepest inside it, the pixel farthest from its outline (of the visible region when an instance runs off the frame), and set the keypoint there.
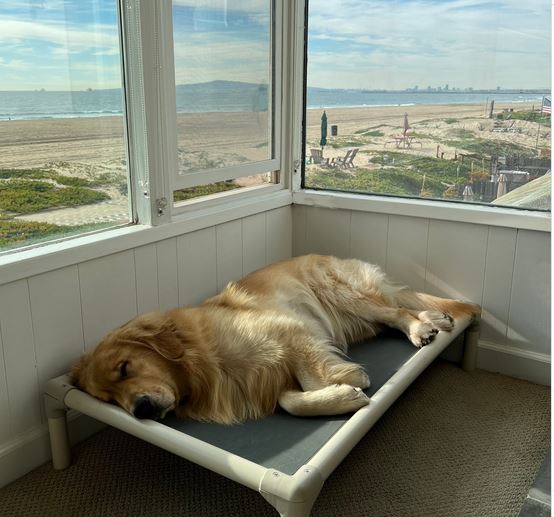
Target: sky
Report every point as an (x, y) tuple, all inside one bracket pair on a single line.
[(374, 44), (398, 44)]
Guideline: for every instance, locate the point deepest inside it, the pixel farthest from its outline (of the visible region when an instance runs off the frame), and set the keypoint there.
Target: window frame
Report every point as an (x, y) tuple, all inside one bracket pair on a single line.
[(151, 131), (272, 165)]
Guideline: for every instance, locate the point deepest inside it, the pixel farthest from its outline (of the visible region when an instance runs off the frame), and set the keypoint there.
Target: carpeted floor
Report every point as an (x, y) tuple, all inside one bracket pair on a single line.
[(455, 444)]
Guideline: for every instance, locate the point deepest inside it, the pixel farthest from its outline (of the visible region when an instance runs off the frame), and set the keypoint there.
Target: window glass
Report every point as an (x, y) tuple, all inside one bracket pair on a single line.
[(224, 82), (223, 186), (445, 99), (63, 161)]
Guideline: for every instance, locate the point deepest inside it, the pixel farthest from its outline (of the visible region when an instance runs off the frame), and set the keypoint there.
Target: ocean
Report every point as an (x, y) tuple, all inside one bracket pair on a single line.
[(220, 96)]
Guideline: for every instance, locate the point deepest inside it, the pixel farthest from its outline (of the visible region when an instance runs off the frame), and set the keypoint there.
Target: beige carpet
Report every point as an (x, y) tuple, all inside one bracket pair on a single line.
[(455, 444)]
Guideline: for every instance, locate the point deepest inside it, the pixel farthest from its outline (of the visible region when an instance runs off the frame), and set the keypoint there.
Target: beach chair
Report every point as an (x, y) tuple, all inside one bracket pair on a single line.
[(349, 162), (340, 161), (317, 157)]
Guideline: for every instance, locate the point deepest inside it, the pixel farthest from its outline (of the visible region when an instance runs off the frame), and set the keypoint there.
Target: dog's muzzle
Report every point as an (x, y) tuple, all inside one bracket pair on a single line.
[(145, 407)]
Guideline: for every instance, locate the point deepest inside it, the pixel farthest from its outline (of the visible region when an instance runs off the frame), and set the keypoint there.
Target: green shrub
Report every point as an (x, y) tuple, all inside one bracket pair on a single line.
[(531, 116), (13, 231), (204, 190), (24, 197), (401, 174)]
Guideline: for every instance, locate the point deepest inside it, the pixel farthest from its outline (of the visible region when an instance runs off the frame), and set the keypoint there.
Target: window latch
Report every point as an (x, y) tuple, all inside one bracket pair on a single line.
[(161, 205)]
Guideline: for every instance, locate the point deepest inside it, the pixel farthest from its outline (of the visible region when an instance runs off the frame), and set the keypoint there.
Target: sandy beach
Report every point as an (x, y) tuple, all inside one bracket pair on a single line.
[(431, 125), (241, 137), (88, 147)]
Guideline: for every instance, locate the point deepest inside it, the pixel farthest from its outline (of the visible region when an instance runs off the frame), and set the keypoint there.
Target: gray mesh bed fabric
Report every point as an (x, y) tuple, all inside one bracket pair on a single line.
[(286, 443)]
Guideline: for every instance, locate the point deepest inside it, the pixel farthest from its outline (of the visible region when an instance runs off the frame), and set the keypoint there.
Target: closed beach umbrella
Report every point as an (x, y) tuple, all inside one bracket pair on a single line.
[(323, 140), (406, 124)]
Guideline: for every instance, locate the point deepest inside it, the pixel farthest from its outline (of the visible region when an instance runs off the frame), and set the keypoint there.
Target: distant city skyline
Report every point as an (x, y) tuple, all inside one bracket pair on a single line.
[(353, 44)]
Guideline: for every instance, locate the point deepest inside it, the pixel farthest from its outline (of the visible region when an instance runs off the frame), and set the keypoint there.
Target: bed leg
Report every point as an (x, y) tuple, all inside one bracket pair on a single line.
[(56, 413), (290, 508), (471, 341), (292, 496)]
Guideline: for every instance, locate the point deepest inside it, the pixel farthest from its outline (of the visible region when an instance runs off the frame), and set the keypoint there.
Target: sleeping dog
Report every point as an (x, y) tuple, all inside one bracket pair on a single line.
[(276, 337)]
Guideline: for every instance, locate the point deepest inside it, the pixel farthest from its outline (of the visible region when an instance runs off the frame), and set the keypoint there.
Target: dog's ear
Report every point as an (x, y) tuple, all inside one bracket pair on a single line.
[(157, 332), (78, 368)]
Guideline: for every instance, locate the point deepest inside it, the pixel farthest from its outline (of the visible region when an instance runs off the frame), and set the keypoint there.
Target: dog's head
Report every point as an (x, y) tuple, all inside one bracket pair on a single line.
[(136, 366)]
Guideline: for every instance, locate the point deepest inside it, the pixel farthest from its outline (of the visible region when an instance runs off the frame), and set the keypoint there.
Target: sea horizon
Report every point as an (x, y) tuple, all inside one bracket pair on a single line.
[(228, 96)]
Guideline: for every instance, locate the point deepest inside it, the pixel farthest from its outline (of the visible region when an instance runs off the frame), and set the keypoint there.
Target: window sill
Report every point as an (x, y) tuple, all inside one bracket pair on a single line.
[(34, 261), (474, 214)]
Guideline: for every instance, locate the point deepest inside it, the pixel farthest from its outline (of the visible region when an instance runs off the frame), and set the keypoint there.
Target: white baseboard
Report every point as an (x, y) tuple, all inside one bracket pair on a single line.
[(514, 362), (32, 448)]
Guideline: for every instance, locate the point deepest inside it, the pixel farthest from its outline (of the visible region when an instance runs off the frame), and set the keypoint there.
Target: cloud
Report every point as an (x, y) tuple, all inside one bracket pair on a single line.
[(466, 42), (225, 60), (53, 52), (14, 64), (79, 39)]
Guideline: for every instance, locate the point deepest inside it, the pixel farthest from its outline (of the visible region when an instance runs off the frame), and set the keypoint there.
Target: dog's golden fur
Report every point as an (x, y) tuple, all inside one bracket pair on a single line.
[(275, 337)]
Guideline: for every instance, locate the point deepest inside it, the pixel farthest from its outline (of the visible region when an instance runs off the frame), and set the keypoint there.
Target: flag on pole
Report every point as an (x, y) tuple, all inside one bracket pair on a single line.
[(546, 106)]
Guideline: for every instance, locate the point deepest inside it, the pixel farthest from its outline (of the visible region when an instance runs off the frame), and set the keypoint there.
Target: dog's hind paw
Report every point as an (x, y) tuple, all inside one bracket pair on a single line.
[(438, 319), (422, 334)]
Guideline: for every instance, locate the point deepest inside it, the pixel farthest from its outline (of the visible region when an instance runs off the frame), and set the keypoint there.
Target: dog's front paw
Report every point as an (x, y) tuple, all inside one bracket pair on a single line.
[(422, 333), (349, 397), (438, 319)]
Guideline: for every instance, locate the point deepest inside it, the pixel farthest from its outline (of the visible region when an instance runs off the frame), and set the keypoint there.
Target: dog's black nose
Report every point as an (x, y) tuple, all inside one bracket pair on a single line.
[(145, 408)]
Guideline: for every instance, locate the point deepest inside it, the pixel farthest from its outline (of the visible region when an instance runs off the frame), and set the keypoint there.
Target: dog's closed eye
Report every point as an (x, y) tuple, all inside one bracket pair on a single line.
[(123, 369)]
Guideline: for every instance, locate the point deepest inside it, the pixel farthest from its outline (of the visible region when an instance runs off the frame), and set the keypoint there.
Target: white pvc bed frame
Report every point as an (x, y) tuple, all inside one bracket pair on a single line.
[(292, 495)]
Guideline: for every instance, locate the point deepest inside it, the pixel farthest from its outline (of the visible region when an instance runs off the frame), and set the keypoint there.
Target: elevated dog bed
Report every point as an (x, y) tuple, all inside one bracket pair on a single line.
[(285, 458)]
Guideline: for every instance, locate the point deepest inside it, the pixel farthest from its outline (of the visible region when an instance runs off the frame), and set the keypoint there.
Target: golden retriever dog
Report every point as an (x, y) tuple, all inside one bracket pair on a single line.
[(277, 337)]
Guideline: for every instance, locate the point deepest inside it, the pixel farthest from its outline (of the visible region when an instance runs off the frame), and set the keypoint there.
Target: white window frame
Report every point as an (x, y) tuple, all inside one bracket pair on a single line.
[(206, 176), (152, 116), (159, 92)]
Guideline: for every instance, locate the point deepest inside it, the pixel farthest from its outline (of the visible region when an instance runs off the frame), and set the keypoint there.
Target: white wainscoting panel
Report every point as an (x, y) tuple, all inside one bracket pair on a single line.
[(57, 321), (108, 294), (407, 250), (168, 284), (278, 234), (229, 252), (146, 278), (299, 237), (456, 260), (328, 232), (529, 318), (499, 269), (19, 357), (254, 246), (368, 237), (5, 424), (197, 266)]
